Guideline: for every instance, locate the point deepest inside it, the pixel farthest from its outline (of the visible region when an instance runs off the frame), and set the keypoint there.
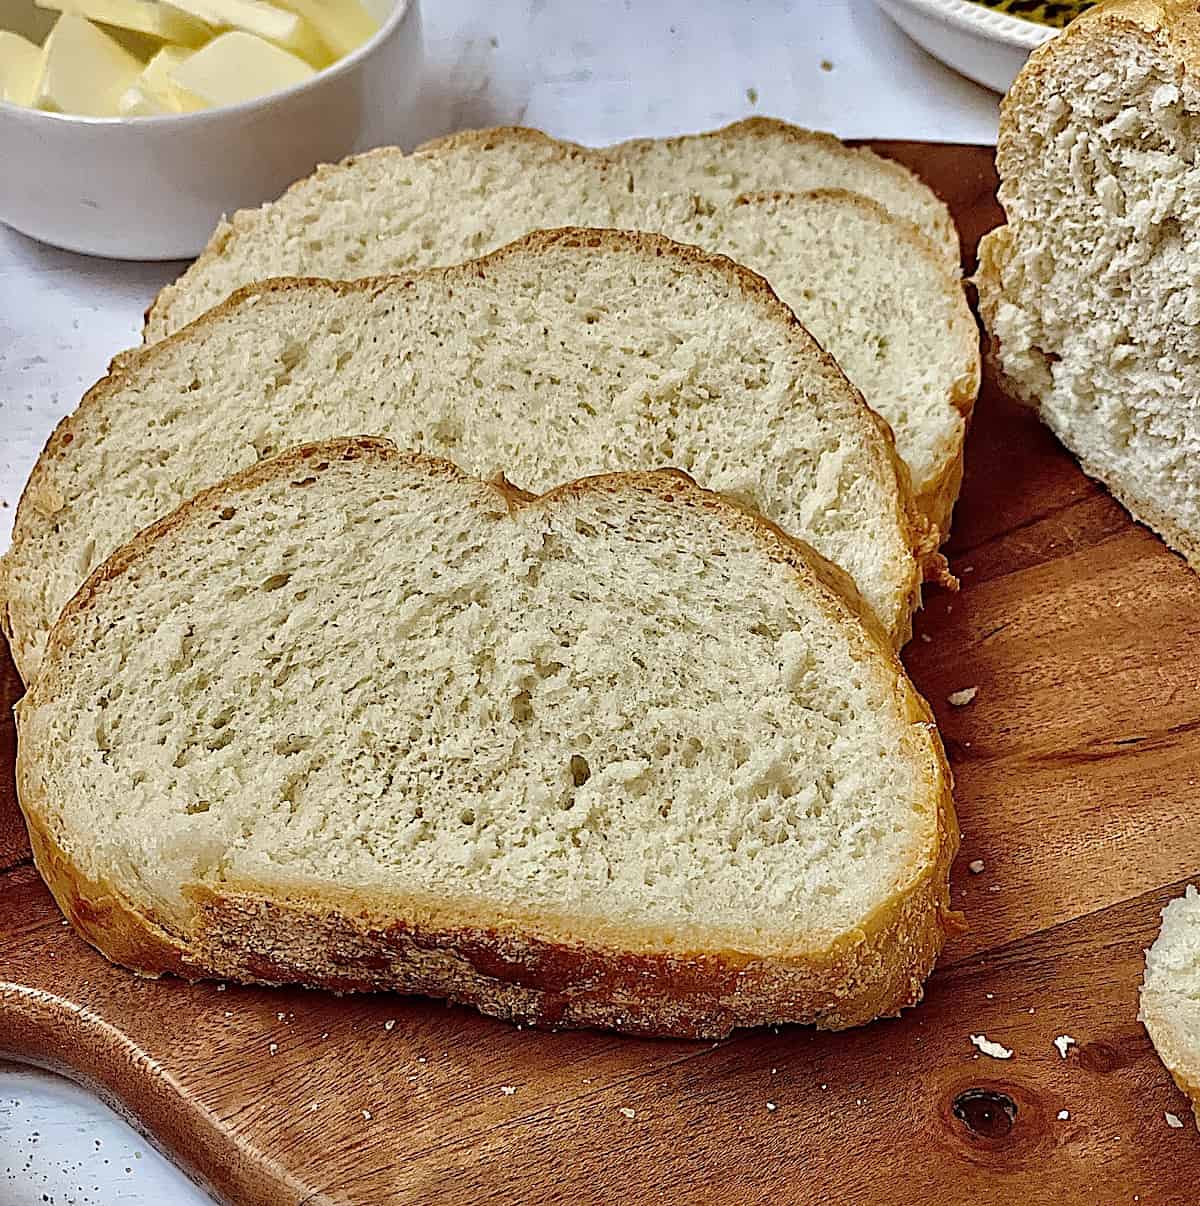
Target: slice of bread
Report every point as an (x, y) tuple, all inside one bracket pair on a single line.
[(763, 154), (567, 353), (462, 196), (623, 755), (1170, 1006), (875, 292), (1090, 291)]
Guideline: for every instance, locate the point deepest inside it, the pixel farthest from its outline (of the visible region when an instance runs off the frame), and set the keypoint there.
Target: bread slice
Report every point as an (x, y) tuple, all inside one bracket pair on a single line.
[(1170, 1007), (763, 154), (874, 293), (869, 285), (622, 755), (568, 353), (1090, 290), (462, 196)]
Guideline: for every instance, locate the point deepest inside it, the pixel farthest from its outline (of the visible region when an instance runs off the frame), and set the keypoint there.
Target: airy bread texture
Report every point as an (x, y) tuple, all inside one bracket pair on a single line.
[(876, 295), (870, 286), (568, 353), (1091, 291), (462, 196), (1170, 1006), (623, 755)]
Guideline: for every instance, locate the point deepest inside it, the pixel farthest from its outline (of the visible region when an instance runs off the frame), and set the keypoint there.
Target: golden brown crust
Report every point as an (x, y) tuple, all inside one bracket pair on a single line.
[(536, 967), (24, 626)]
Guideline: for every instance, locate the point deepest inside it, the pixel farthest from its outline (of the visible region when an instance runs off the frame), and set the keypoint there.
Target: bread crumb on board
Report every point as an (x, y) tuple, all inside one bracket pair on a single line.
[(626, 1112), (975, 866), (1063, 1115), (508, 1090), (995, 1050), (772, 1107), (1173, 1120), (960, 699), (390, 1025), (1062, 1043)]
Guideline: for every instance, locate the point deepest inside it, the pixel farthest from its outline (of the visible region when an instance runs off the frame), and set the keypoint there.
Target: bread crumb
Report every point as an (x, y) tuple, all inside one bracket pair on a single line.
[(273, 1048), (774, 1071), (960, 699), (1173, 1120), (1062, 1043), (1063, 1115), (995, 1050), (220, 988), (975, 866), (422, 1060), (508, 1090), (390, 1025), (824, 1086), (991, 996), (316, 1105), (772, 1107), (927, 638), (826, 65), (280, 1016), (229, 1013), (367, 1115), (626, 1112)]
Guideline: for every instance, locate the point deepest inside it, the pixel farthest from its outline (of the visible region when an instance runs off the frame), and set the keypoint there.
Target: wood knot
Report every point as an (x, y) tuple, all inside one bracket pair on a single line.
[(985, 1112), (1100, 1057)]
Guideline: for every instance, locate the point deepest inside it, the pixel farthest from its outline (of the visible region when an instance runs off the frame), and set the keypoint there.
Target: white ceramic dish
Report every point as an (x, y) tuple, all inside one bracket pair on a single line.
[(154, 188), (986, 46)]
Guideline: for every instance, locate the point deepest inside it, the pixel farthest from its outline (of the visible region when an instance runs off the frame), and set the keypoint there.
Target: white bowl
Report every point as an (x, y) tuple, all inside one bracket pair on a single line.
[(153, 188), (986, 46)]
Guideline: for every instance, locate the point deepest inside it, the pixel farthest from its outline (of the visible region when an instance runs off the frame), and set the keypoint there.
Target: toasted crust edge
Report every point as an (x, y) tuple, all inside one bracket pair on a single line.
[(23, 627), (550, 975)]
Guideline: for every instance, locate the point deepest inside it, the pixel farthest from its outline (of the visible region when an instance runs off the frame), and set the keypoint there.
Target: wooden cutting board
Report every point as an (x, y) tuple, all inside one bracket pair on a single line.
[(1077, 768)]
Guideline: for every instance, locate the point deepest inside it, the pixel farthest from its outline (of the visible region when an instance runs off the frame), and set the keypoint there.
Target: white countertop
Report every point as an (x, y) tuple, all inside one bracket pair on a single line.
[(591, 72)]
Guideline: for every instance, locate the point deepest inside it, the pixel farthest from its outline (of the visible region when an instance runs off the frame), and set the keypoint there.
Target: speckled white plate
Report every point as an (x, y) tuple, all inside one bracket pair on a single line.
[(986, 46)]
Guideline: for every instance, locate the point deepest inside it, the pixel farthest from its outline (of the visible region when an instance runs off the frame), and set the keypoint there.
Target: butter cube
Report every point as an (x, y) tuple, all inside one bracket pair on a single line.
[(152, 93), (235, 67), (20, 63), (142, 16), (343, 25), (83, 70), (287, 30)]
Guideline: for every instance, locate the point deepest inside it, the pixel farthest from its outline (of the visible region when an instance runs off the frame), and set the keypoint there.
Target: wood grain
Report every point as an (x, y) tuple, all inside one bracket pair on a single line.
[(1076, 767)]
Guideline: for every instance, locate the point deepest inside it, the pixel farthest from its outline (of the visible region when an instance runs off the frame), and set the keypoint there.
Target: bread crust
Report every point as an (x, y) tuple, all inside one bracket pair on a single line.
[(543, 968), (24, 626)]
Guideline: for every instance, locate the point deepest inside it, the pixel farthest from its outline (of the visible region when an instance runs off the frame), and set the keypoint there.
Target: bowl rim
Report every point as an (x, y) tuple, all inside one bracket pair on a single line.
[(401, 9), (974, 17)]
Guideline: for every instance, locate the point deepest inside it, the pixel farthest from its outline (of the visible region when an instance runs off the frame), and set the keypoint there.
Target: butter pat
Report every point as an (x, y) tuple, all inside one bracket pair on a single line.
[(152, 93), (83, 70), (287, 30), (20, 64), (235, 67), (343, 25), (143, 16)]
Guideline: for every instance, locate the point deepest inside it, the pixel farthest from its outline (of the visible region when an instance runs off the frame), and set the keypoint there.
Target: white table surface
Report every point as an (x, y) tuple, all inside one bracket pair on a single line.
[(593, 72)]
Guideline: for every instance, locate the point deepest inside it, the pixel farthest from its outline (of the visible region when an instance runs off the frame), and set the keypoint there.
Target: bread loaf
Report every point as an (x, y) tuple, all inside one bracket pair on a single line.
[(1090, 291)]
